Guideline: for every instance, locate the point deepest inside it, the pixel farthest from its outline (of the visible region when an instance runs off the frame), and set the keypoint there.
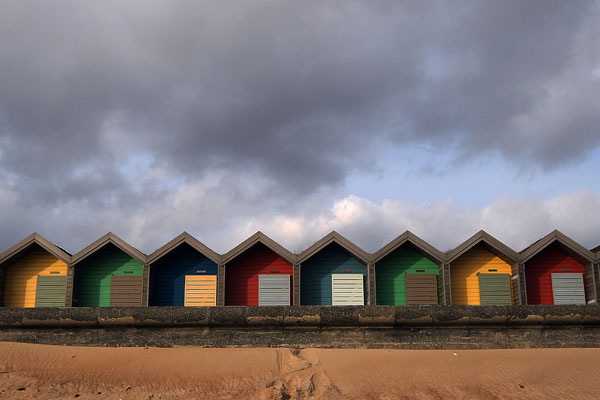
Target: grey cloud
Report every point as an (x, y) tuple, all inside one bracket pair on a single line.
[(299, 90)]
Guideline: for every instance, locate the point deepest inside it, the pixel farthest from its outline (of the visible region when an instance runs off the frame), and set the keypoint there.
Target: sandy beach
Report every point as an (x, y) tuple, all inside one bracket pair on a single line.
[(40, 371)]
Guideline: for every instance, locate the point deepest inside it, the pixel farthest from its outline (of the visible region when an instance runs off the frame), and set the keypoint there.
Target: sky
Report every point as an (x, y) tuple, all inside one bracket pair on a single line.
[(148, 118)]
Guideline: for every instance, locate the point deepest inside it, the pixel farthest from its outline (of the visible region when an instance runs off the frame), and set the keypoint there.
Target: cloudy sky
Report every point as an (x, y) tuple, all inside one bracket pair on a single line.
[(148, 118)]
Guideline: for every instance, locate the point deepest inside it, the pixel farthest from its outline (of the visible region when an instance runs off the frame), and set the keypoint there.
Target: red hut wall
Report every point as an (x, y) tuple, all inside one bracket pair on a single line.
[(241, 275), (538, 270)]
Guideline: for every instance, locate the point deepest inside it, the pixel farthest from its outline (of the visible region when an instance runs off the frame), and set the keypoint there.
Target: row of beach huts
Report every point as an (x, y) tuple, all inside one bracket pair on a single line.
[(333, 271)]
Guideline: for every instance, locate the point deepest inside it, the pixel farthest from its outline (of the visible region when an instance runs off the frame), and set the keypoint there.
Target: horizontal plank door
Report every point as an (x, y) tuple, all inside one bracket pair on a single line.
[(421, 289), (495, 289), (126, 291), (347, 290), (568, 288), (273, 290), (51, 291), (200, 290)]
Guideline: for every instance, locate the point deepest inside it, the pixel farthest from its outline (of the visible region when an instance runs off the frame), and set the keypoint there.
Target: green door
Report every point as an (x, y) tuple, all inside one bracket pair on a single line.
[(50, 291), (494, 289)]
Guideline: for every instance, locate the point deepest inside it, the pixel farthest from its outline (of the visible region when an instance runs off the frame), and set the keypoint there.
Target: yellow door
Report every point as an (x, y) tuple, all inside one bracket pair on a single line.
[(200, 290)]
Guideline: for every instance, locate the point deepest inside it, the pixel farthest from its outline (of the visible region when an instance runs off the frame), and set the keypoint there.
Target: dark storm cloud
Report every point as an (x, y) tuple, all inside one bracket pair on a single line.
[(301, 91)]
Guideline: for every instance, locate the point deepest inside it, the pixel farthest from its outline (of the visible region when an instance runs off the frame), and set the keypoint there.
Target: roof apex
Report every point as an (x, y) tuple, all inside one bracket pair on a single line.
[(408, 236), (104, 240), (556, 236), (259, 237), (332, 237), (184, 237), (482, 236), (35, 238)]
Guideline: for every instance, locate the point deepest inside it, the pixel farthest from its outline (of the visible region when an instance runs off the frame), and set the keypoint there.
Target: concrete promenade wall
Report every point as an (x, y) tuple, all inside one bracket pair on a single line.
[(415, 327)]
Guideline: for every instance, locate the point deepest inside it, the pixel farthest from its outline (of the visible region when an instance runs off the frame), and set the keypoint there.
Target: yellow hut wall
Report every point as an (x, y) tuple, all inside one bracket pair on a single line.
[(463, 274), (21, 277)]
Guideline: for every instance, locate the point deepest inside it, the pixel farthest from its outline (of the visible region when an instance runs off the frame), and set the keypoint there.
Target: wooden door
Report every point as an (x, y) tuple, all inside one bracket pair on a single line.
[(347, 290), (51, 291), (494, 289), (126, 291), (273, 290), (200, 290), (568, 288), (421, 289)]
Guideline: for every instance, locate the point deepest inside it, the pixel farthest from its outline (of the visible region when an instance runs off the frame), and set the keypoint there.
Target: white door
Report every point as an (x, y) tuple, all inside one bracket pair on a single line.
[(273, 290), (347, 290), (568, 288)]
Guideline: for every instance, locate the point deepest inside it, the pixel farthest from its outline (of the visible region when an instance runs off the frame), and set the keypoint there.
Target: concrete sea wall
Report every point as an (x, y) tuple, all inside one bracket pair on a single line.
[(411, 327)]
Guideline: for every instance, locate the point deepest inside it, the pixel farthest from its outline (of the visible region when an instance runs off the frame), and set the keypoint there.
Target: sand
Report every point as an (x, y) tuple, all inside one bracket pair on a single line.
[(55, 372)]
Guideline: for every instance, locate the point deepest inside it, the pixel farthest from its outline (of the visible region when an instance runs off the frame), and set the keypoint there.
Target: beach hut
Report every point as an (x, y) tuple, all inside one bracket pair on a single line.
[(407, 272), (33, 273), (558, 270), (259, 272), (333, 271), (483, 271), (183, 272), (108, 273)]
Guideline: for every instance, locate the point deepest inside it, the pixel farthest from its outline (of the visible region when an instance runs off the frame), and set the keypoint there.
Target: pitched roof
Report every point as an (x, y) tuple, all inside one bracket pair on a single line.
[(184, 237), (259, 237), (334, 237), (35, 238), (103, 241), (496, 246), (409, 237), (556, 236), (596, 251)]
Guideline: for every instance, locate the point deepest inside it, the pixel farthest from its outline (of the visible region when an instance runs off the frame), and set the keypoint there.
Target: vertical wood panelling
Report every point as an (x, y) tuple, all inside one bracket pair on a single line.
[(391, 271), (70, 284), (2, 284), (516, 284), (21, 276), (93, 275), (315, 279), (167, 274), (221, 286), (241, 277), (296, 284), (464, 273), (145, 285), (372, 284), (539, 269)]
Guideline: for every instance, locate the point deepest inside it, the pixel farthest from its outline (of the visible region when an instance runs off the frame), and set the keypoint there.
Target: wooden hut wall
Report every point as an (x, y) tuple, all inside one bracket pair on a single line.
[(316, 274), (390, 273), (242, 274), (539, 270), (168, 274), (94, 274), (465, 270), (21, 277)]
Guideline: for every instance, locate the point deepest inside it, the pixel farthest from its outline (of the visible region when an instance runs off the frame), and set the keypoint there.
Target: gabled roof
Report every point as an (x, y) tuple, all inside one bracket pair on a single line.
[(334, 237), (409, 237), (557, 236), (259, 237), (494, 245), (103, 241), (35, 238), (177, 241)]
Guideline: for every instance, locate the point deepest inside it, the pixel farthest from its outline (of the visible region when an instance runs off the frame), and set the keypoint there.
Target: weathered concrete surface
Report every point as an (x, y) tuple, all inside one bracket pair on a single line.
[(422, 327)]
